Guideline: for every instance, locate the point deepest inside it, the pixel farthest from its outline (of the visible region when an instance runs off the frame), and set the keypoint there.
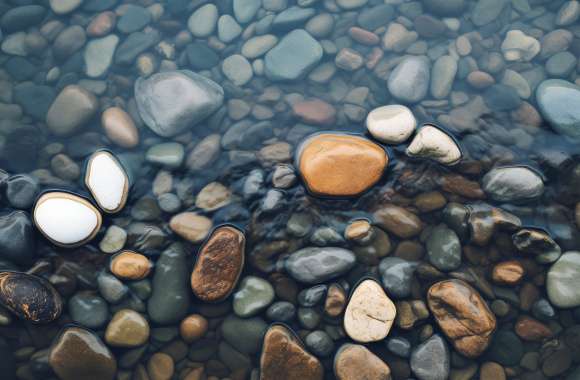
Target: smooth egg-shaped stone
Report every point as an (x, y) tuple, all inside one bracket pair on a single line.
[(340, 165), (29, 297), (432, 143), (563, 281), (65, 219), (392, 124), (107, 181)]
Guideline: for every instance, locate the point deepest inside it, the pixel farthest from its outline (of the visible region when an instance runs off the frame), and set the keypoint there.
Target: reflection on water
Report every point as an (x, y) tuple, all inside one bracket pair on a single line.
[(477, 257)]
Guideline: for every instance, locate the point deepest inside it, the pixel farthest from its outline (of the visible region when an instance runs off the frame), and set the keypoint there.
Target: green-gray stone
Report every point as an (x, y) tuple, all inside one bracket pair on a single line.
[(245, 335), (443, 248), (253, 296), (563, 281), (559, 103)]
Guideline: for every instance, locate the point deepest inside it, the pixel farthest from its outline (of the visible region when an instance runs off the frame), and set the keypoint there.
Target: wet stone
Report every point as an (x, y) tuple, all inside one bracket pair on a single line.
[(22, 17), (320, 343), (559, 103), (245, 335), (130, 265), (281, 311), (444, 248), (356, 361), (191, 226), (293, 57), (562, 281), (98, 55), (313, 265), (398, 221), (409, 82), (537, 243), (431, 360), (254, 295), (107, 181), (17, 242), (284, 357), (397, 276), (193, 327), (369, 314), (330, 164), (120, 128), (88, 310), (71, 110), (78, 353), (508, 184), (219, 264), (392, 124), (127, 328)]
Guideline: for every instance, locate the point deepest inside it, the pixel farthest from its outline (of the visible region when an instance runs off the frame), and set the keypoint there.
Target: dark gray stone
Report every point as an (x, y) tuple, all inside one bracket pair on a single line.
[(314, 265)]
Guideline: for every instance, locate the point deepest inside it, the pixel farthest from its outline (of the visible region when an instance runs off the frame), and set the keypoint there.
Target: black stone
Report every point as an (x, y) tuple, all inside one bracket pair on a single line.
[(20, 18), (20, 191), (201, 56), (21, 149)]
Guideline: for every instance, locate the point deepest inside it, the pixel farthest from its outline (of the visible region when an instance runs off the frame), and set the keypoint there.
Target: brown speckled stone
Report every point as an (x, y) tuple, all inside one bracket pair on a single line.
[(353, 361), (219, 264), (284, 357)]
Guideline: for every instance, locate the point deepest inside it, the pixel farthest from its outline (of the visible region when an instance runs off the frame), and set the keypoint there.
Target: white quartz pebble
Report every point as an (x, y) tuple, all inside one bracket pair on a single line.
[(431, 142), (392, 124), (107, 181)]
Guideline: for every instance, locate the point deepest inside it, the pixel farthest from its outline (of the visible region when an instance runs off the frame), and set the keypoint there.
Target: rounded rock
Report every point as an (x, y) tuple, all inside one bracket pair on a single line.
[(130, 265), (127, 328), (392, 124), (107, 181), (353, 361), (433, 143), (193, 327), (120, 128), (563, 281)]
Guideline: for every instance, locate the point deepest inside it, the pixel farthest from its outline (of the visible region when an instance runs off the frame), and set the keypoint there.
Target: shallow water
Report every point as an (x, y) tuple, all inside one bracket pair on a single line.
[(235, 162)]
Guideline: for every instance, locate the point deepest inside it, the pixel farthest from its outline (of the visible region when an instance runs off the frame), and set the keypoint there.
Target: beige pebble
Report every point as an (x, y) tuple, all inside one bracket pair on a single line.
[(120, 128)]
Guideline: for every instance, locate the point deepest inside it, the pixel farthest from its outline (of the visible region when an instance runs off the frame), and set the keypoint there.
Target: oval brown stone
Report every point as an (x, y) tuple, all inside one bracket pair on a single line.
[(508, 272), (354, 361), (120, 128), (531, 330), (130, 265), (463, 316), (284, 357), (340, 165), (193, 327), (219, 264), (398, 221), (29, 297)]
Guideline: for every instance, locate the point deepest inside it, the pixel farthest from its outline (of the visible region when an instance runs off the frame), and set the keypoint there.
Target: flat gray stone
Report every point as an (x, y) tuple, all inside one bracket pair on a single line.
[(294, 56), (409, 82), (99, 55), (314, 265)]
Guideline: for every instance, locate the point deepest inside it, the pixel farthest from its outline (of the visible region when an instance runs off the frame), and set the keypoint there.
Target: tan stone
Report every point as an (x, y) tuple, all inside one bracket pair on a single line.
[(191, 226), (120, 128), (193, 327), (463, 316), (219, 264), (430, 201), (130, 265), (398, 220), (160, 366), (127, 328), (284, 358), (508, 272), (492, 371), (102, 24), (213, 196), (531, 330), (370, 313), (359, 230), (335, 301), (340, 165), (353, 361), (70, 110)]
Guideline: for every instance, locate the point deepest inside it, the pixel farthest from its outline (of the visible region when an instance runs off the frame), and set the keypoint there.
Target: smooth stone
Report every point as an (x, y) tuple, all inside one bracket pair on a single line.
[(120, 127), (68, 42), (283, 356), (71, 110), (398, 221), (375, 17), (486, 11), (499, 97), (111, 288), (561, 64), (244, 334), (433, 143), (65, 219), (228, 29), (169, 154), (291, 18), (14, 44), (237, 69), (320, 343), (509, 184), (330, 164), (312, 296), (518, 46), (127, 328), (351, 4), (245, 10), (258, 46), (135, 44), (17, 241), (568, 13), (30, 297), (313, 265), (102, 24), (99, 54), (369, 314), (392, 124), (314, 112), (191, 226), (203, 21), (34, 100), (293, 57), (463, 316), (78, 353), (61, 7), (559, 103), (399, 346), (444, 248), (21, 190), (447, 8), (22, 17), (219, 265), (173, 101), (170, 299), (431, 359), (281, 311), (409, 81), (397, 276), (88, 310), (129, 265), (354, 361), (193, 327), (518, 82), (537, 243), (133, 19), (107, 181), (506, 349), (254, 295), (562, 281), (442, 76), (320, 26)]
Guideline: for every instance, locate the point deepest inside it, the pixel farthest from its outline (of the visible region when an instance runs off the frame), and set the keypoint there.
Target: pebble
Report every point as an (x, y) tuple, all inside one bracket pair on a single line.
[(399, 346), (237, 69), (111, 288), (61, 7), (191, 226), (335, 301), (68, 42), (431, 359), (499, 97), (88, 310), (246, 334), (168, 154), (22, 17), (492, 371), (257, 46), (433, 143), (320, 26), (253, 295), (315, 112), (531, 330), (320, 343), (203, 21), (392, 124), (281, 311), (444, 248), (442, 76), (245, 10), (29, 297), (193, 327), (284, 356), (463, 316), (348, 59), (102, 24), (21, 190), (356, 361), (487, 11), (369, 314), (129, 265), (173, 101), (71, 109), (228, 28), (568, 13), (561, 282), (127, 328), (559, 103), (537, 243), (219, 264), (65, 219), (293, 57), (409, 82), (107, 181), (330, 164), (397, 39), (120, 127), (160, 366), (508, 273), (17, 242), (170, 299), (509, 184), (518, 46), (397, 276), (398, 221), (79, 353), (313, 265), (134, 18)]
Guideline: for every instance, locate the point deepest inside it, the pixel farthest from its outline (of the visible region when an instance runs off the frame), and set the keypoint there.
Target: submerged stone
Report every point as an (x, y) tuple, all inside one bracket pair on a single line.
[(107, 181), (332, 164), (369, 314), (253, 296), (515, 183), (431, 359), (392, 124), (29, 297), (171, 102), (313, 265), (127, 328), (409, 81), (17, 240), (354, 361), (433, 143), (71, 109), (294, 56), (563, 281), (559, 103), (65, 219)]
